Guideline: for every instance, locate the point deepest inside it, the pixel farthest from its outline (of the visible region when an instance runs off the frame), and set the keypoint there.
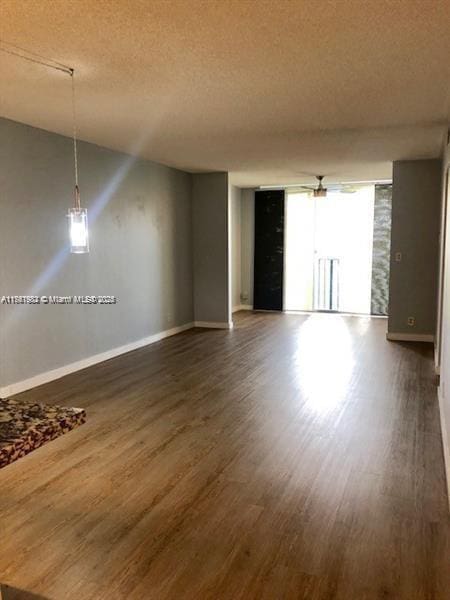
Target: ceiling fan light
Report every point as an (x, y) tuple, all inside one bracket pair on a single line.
[(320, 192)]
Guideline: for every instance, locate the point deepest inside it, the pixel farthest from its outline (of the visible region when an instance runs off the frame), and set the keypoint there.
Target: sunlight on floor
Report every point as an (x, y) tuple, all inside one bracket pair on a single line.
[(325, 361)]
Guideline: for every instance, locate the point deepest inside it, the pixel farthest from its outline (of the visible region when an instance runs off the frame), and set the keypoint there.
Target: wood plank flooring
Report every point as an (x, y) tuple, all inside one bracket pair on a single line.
[(294, 457)]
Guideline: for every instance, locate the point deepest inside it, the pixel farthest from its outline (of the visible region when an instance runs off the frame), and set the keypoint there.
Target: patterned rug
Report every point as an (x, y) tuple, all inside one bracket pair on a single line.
[(24, 426)]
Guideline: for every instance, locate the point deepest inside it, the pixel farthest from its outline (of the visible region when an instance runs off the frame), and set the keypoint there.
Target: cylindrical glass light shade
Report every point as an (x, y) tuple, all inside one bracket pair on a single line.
[(78, 229)]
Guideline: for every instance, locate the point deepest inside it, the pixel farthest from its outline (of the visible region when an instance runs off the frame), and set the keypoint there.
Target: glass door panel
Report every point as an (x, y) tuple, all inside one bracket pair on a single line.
[(329, 251)]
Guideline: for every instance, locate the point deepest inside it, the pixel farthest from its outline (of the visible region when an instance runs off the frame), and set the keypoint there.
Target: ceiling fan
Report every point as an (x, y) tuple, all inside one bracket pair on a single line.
[(321, 192)]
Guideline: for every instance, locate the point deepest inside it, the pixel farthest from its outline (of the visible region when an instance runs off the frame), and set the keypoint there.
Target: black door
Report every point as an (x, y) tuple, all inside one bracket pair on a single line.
[(269, 250)]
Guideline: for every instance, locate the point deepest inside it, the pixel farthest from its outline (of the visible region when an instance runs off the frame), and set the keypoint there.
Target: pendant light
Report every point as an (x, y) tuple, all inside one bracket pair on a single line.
[(78, 220)]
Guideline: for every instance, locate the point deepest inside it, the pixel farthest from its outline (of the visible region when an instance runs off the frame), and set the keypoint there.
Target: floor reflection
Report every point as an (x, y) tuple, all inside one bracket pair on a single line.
[(324, 361)]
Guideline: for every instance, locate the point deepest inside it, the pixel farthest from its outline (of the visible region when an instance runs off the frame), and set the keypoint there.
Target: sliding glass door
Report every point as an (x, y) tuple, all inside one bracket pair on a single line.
[(328, 262)]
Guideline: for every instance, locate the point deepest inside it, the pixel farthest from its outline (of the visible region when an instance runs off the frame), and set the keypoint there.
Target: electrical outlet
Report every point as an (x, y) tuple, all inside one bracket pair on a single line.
[(411, 321), (398, 257)]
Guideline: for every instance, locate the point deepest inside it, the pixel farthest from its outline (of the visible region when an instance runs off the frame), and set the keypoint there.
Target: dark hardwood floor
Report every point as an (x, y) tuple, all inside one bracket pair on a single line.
[(293, 457)]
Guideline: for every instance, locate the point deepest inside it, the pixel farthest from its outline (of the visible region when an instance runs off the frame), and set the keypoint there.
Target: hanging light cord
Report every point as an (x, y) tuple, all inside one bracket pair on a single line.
[(20, 52), (75, 151), (30, 56)]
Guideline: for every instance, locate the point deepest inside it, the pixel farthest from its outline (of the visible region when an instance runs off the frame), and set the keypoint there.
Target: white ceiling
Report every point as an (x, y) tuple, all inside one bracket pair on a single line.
[(272, 91)]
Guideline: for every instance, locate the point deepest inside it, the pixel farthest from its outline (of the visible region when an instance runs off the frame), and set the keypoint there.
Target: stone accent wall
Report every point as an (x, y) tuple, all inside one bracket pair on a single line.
[(381, 249)]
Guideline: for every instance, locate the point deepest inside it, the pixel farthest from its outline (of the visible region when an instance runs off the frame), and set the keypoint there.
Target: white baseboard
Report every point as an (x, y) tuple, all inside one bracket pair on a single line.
[(242, 307), (214, 324), (27, 384), (410, 337), (445, 446)]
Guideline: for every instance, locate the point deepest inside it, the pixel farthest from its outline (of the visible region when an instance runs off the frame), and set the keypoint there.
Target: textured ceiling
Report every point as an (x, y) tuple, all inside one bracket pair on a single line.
[(269, 90)]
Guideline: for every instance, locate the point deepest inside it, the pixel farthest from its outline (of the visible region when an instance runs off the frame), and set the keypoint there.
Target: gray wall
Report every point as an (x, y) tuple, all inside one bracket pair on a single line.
[(235, 211), (247, 244), (211, 233), (141, 250), (416, 205)]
